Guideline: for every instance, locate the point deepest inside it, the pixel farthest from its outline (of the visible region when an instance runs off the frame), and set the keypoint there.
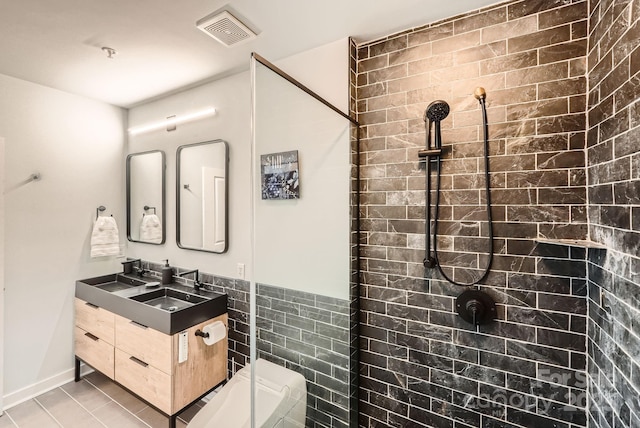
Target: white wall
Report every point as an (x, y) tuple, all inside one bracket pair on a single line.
[(77, 145), (325, 70), (303, 244), (231, 98), (1, 270)]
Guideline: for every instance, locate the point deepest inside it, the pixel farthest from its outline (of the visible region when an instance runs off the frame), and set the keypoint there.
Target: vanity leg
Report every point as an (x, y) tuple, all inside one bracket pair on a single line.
[(172, 420), (77, 371)]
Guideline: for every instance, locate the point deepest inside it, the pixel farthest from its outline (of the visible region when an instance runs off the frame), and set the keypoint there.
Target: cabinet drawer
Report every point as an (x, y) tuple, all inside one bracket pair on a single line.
[(145, 380), (95, 320), (94, 351), (144, 343)]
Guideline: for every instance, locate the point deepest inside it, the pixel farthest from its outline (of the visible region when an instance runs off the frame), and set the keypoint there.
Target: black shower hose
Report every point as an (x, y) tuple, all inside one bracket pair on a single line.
[(487, 206)]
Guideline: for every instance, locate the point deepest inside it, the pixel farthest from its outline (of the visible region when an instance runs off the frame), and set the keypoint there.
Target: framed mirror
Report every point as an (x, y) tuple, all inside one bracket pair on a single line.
[(201, 196), (146, 197)]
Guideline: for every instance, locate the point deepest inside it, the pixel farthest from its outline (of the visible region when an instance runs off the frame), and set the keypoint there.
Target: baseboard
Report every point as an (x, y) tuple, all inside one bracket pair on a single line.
[(27, 393)]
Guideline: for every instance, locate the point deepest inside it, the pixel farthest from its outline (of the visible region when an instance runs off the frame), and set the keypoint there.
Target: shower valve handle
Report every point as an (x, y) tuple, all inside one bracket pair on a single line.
[(476, 307)]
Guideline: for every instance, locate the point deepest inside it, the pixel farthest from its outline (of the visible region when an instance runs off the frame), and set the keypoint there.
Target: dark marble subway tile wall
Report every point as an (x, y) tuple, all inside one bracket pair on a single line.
[(421, 365), (613, 166), (613, 343)]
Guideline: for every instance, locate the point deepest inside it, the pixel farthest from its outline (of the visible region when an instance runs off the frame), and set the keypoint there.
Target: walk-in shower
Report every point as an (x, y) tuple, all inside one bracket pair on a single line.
[(473, 305)]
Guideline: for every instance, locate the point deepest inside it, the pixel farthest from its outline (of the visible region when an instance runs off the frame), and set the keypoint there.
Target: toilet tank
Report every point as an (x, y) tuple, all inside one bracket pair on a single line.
[(281, 400), (292, 410)]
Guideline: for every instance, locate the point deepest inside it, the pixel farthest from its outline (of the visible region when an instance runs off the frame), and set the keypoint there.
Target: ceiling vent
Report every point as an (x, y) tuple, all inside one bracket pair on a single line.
[(226, 29)]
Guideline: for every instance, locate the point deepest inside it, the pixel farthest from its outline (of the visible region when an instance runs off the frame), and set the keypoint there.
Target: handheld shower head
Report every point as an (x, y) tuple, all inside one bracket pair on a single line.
[(437, 111)]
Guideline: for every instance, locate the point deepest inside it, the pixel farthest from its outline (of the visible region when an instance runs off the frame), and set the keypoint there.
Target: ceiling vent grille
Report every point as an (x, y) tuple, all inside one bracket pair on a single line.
[(226, 29)]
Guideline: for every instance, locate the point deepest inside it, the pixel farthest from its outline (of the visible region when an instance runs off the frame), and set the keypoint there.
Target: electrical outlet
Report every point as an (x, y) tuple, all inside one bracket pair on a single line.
[(240, 270)]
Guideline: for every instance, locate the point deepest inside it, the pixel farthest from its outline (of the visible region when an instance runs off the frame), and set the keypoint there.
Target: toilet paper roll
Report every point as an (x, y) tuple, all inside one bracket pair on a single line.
[(217, 331)]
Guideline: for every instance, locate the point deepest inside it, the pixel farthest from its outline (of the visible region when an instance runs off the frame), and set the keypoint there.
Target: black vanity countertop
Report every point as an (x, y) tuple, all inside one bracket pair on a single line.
[(120, 302)]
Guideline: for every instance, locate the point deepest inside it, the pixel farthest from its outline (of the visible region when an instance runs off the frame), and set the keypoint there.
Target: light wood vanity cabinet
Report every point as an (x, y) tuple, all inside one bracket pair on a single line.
[(94, 336), (147, 381), (144, 343), (145, 360)]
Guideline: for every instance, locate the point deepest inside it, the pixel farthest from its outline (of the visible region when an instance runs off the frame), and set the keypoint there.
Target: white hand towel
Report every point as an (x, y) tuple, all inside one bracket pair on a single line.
[(105, 239), (151, 229)]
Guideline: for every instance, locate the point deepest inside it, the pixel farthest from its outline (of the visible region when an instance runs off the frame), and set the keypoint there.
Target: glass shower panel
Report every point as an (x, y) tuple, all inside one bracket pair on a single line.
[(302, 290)]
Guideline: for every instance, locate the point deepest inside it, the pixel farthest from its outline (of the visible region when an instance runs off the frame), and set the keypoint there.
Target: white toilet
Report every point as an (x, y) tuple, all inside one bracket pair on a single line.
[(281, 400)]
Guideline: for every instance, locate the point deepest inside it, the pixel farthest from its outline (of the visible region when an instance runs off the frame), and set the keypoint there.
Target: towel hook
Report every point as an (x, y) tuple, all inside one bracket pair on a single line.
[(98, 210), (147, 208)]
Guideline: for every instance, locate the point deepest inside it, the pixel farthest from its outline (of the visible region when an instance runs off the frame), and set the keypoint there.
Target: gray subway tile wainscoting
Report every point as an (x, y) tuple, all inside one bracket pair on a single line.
[(309, 333)]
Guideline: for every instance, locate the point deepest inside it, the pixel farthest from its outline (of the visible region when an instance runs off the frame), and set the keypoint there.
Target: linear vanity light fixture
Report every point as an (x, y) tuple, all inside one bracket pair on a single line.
[(171, 122)]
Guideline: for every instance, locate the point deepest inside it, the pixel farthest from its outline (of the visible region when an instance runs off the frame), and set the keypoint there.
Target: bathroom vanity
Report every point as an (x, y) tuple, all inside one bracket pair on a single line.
[(123, 330)]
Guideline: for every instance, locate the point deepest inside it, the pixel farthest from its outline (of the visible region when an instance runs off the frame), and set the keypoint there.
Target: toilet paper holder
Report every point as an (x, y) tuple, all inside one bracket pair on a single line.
[(202, 334), (212, 333)]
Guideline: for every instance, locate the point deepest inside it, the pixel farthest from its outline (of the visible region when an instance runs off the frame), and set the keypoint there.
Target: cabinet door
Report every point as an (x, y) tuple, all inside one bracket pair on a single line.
[(94, 351), (205, 367), (145, 380), (95, 320), (144, 343)]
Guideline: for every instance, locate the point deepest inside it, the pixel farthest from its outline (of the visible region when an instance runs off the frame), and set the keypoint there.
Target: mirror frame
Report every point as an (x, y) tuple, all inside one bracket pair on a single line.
[(164, 197), (226, 195)]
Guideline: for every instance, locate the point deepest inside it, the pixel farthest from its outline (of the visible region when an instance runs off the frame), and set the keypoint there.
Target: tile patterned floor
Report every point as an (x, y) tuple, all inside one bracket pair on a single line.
[(95, 401)]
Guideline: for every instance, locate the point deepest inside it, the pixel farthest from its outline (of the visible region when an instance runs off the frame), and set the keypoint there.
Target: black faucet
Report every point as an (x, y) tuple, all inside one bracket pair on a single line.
[(127, 265), (196, 280), (140, 271)]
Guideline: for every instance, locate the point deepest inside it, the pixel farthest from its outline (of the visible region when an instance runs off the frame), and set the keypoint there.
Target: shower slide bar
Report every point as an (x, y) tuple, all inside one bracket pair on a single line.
[(436, 112)]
